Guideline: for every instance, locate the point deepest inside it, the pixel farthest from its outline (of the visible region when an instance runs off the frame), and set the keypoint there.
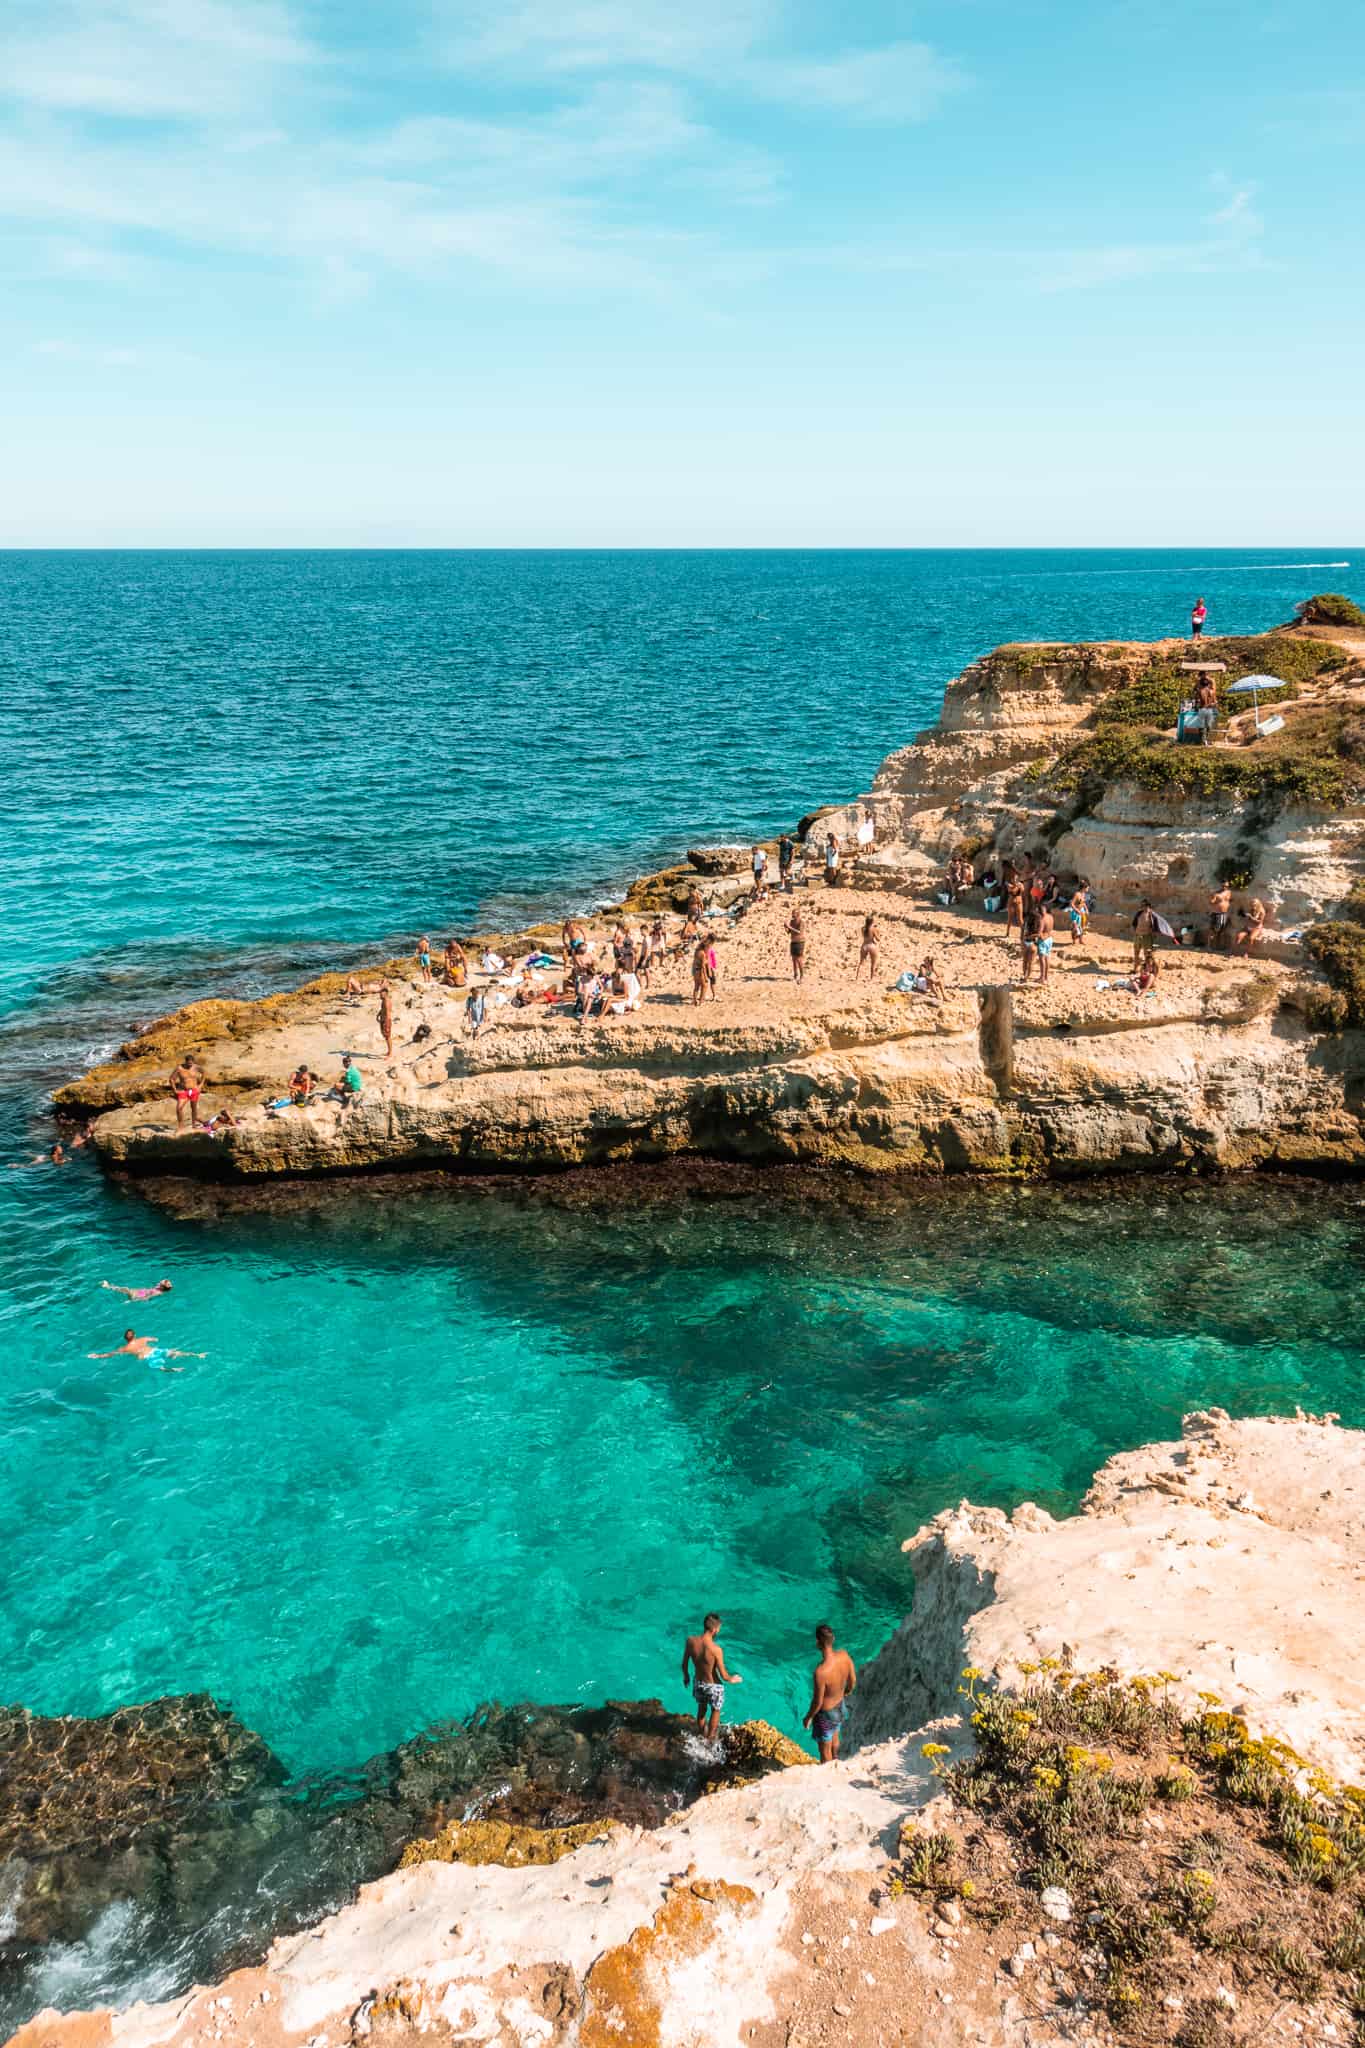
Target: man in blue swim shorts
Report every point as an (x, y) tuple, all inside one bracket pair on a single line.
[(834, 1679), (157, 1356), (709, 1675)]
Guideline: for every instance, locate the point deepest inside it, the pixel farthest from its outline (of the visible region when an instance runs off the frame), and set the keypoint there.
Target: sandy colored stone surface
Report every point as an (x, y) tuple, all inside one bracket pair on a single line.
[(1234, 1559), (1216, 1067), (979, 776)]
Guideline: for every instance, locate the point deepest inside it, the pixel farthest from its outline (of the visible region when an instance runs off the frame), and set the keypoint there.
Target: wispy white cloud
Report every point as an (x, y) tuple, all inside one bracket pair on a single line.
[(139, 59), (615, 154), (737, 48), (1234, 219), (91, 354), (902, 81), (1229, 240), (328, 212), (1070, 270), (607, 35)]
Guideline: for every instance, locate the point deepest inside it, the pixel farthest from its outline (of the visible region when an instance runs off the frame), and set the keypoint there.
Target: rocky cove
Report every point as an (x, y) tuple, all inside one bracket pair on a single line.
[(169, 1836), (806, 1905), (1202, 1611), (1062, 752)]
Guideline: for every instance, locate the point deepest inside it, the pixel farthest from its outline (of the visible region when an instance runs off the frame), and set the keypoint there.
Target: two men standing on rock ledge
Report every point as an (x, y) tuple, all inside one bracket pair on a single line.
[(703, 1662)]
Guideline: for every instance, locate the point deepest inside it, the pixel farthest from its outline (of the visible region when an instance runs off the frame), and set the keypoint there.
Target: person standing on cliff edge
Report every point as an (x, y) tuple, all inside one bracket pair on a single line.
[(834, 1679), (185, 1084), (1197, 618), (710, 1676)]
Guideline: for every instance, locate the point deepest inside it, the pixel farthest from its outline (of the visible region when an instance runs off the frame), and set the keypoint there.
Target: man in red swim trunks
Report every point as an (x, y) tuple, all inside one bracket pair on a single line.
[(185, 1084)]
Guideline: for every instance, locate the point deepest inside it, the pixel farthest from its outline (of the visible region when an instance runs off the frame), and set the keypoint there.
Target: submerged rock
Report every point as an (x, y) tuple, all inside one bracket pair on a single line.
[(128, 1804), (167, 1838)]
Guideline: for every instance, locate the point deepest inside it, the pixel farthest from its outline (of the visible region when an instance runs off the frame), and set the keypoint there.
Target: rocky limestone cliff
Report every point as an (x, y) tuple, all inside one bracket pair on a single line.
[(1005, 769), (1234, 1560), (1056, 750)]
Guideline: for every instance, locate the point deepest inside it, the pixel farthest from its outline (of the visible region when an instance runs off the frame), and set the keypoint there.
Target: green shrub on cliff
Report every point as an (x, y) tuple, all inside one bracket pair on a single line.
[(1339, 949), (1301, 771), (1072, 1778), (1329, 608), (1313, 761)]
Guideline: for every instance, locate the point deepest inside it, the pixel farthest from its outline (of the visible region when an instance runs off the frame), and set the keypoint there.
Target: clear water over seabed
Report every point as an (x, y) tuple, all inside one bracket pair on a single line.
[(447, 1448)]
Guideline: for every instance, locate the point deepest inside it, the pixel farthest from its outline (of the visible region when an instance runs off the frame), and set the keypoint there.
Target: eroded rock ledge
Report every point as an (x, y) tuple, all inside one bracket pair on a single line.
[(1233, 1560), (1038, 749)]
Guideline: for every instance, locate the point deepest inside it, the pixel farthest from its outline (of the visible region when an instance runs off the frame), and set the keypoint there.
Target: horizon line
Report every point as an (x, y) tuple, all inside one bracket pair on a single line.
[(669, 548)]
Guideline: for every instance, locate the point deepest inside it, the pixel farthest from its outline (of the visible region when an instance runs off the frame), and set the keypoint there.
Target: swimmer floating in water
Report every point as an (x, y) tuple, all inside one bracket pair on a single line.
[(139, 1293), (157, 1356), (56, 1157)]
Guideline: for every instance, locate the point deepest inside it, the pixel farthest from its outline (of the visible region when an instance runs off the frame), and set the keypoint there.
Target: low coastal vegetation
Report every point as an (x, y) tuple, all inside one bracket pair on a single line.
[(1312, 761), (1155, 697), (1192, 1878), (1330, 608), (1316, 758), (1338, 946)]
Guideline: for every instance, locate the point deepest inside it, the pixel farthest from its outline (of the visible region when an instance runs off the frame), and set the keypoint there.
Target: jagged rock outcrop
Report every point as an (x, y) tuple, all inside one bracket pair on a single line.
[(1222, 1066), (170, 1828), (130, 1804), (986, 776), (1233, 1560), (1218, 1071)]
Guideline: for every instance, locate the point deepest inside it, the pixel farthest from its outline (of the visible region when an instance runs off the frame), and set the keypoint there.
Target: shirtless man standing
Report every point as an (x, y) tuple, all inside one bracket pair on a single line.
[(1046, 922), (796, 931), (1220, 911), (710, 1678), (185, 1084), (834, 1679)]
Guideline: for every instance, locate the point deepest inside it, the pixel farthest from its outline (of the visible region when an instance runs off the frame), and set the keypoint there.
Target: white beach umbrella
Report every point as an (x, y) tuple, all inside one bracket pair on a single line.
[(1252, 686)]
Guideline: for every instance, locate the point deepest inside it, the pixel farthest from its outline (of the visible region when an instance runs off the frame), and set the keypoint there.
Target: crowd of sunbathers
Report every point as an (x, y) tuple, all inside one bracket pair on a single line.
[(1033, 897), (596, 979)]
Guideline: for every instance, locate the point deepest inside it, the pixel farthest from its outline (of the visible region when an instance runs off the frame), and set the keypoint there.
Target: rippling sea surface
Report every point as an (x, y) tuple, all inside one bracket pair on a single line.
[(447, 1447)]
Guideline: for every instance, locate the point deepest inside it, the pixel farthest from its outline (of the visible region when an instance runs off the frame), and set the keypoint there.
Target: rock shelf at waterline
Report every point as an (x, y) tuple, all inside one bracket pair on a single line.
[(176, 1824), (1247, 1056)]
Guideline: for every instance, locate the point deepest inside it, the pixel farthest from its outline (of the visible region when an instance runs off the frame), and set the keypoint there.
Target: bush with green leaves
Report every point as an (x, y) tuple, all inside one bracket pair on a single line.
[(1188, 1846), (1302, 769), (1339, 949), (1329, 608)]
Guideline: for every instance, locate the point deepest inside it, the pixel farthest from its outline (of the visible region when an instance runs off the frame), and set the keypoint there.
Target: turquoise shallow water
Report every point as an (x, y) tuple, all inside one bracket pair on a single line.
[(446, 1448)]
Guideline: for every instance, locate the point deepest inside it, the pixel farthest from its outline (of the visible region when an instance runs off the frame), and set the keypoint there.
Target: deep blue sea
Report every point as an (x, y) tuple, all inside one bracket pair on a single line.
[(446, 1449)]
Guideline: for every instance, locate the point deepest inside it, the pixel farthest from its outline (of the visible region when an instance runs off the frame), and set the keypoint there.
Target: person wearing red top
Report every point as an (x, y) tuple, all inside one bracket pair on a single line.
[(1197, 618)]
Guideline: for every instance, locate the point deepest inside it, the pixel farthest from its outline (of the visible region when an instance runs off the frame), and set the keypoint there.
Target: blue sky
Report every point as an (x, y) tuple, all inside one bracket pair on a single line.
[(706, 272)]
